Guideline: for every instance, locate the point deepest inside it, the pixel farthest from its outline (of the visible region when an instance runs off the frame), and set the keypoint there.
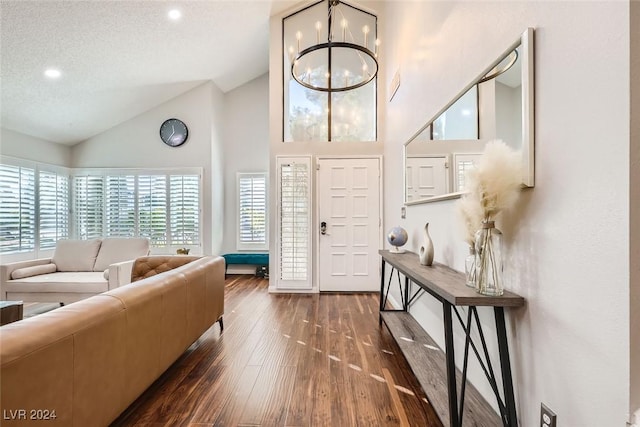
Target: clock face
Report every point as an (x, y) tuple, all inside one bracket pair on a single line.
[(174, 132)]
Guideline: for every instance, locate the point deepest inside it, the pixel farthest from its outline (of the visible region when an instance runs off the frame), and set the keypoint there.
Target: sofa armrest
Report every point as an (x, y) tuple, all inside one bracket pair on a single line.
[(7, 269), (120, 273)]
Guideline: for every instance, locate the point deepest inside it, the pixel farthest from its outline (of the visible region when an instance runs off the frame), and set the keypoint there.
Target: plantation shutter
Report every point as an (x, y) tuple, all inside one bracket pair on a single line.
[(152, 208), (120, 206), (294, 222), (184, 208), (17, 209), (53, 208), (88, 206), (252, 211)]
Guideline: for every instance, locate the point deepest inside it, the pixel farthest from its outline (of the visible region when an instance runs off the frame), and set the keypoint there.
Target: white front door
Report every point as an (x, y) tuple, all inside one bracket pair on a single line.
[(349, 207), (426, 177)]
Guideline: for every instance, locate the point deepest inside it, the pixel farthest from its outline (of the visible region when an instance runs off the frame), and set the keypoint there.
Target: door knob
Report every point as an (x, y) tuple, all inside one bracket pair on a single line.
[(323, 228)]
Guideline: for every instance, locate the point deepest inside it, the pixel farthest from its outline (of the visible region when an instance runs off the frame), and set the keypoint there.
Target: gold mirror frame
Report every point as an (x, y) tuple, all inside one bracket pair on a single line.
[(526, 54)]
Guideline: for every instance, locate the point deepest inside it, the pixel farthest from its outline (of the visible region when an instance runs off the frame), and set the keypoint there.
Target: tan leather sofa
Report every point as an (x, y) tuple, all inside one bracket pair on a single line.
[(88, 361)]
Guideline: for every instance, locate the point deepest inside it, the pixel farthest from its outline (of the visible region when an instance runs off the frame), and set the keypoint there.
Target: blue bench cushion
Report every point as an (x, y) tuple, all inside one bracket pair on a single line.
[(248, 258)]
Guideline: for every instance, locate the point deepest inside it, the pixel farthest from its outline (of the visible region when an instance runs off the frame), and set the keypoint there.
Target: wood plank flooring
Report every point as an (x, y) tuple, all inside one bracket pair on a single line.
[(287, 360)]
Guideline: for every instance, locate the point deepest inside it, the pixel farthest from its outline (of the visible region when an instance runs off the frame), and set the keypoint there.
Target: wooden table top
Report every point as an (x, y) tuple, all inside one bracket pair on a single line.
[(4, 304), (445, 282)]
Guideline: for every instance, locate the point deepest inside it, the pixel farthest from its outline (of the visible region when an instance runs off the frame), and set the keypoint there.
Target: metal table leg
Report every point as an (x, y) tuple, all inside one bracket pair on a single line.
[(381, 292), (451, 365), (505, 366)]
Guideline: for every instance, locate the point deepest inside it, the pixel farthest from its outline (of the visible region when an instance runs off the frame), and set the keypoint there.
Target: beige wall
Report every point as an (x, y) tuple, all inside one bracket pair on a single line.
[(567, 242), (247, 145), (27, 147), (634, 214)]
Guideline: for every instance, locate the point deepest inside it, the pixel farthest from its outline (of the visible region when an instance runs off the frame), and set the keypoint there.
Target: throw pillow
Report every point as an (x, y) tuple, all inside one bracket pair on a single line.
[(119, 249), (76, 255), (34, 270)]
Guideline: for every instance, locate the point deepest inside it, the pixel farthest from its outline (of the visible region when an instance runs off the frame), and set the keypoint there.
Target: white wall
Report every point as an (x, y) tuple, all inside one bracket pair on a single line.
[(508, 114), (136, 143), (246, 146), (634, 214), (218, 164), (568, 242), (23, 146)]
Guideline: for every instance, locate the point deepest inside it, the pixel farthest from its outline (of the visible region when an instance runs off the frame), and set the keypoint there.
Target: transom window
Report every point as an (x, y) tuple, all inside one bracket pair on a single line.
[(311, 115)]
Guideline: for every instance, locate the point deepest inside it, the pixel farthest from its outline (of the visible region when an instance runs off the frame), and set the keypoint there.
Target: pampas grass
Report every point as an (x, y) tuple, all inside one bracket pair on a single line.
[(495, 180), (470, 214)]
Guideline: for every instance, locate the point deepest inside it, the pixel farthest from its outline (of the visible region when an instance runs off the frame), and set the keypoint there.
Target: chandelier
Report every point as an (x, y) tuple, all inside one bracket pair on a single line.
[(347, 59)]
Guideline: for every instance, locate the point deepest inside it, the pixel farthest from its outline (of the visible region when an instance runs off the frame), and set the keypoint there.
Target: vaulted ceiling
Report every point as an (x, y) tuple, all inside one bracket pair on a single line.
[(119, 59)]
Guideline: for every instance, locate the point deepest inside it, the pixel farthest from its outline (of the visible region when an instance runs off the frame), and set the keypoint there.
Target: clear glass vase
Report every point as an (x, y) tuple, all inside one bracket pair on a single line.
[(488, 248), (470, 267)]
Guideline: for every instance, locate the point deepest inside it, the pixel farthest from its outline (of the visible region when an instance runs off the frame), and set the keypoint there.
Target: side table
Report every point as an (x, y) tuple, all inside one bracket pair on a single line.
[(10, 311)]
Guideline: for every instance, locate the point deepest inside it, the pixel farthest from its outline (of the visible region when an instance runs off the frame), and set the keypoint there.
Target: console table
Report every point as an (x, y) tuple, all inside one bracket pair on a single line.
[(435, 371)]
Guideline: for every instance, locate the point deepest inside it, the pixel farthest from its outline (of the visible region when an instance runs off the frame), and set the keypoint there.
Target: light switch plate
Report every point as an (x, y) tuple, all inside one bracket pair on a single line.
[(547, 416)]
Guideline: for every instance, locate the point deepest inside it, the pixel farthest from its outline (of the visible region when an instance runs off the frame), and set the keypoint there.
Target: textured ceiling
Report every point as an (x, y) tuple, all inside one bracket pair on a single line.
[(121, 58)]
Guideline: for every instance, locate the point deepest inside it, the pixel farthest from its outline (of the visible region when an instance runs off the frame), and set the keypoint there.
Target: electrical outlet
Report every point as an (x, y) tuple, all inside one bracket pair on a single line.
[(403, 212), (547, 417)]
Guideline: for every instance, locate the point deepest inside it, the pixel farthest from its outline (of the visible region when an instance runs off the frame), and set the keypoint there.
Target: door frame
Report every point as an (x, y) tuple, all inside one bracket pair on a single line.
[(316, 213)]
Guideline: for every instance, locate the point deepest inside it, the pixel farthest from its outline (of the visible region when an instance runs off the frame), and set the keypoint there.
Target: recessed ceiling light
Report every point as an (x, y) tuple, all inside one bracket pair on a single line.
[(52, 73), (175, 14)]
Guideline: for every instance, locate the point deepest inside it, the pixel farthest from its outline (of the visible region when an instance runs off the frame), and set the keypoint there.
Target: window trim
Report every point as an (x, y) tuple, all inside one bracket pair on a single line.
[(243, 246)]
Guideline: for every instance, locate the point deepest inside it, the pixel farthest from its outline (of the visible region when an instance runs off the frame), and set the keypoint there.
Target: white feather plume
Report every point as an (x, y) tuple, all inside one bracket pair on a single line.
[(492, 186), (470, 214)]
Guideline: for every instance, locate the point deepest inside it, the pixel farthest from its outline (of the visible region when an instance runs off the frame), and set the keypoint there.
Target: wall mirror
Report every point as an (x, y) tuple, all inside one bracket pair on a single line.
[(498, 104)]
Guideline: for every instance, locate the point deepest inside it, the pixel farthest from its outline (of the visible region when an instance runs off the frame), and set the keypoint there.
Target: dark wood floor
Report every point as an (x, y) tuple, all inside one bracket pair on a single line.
[(287, 360)]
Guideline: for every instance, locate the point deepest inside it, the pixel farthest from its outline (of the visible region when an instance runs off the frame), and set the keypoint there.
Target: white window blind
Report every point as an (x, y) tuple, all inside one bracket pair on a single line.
[(463, 162), (120, 213), (53, 208), (89, 206), (152, 208), (158, 205), (294, 196), (184, 208), (252, 211), (17, 209)]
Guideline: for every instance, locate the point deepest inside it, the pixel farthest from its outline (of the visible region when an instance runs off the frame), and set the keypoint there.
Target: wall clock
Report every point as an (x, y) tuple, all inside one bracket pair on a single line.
[(174, 132)]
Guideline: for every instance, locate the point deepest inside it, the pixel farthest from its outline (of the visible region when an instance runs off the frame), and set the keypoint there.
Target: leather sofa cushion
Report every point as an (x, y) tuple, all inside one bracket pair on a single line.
[(118, 250), (34, 270), (76, 255)]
